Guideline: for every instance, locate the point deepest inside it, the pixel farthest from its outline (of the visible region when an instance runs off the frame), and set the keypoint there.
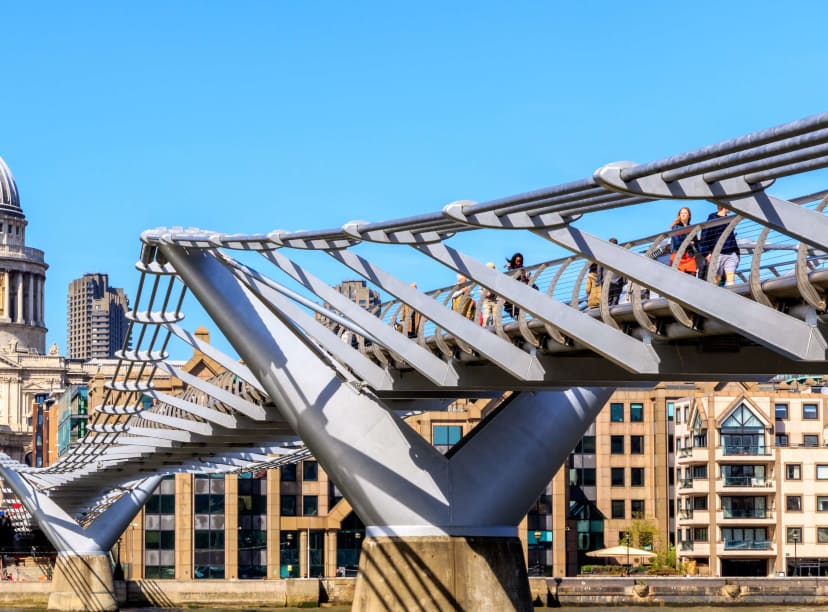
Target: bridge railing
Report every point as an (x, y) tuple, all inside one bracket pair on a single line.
[(565, 278)]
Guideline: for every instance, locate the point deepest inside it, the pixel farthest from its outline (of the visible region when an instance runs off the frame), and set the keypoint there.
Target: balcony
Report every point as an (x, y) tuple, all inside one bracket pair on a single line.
[(746, 481), (685, 483), (21, 252), (747, 544), (735, 453), (686, 514), (740, 450), (696, 454), (758, 513), (697, 550)]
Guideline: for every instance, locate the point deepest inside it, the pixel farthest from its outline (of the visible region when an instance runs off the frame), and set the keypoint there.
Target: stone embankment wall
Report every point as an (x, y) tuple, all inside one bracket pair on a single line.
[(587, 591), (199, 593), (663, 591)]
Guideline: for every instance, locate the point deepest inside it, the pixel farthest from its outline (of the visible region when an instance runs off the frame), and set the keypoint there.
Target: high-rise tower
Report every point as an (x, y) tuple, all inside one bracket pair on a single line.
[(22, 275), (96, 317)]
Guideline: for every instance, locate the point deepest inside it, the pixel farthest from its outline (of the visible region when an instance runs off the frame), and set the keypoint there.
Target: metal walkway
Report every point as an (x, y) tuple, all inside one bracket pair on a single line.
[(681, 328)]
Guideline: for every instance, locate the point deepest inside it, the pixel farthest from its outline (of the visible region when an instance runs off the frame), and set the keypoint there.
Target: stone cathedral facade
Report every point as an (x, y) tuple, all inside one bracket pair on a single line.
[(27, 370)]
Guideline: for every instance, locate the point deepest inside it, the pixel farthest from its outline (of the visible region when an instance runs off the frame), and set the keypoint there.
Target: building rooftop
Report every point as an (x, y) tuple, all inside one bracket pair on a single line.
[(9, 198)]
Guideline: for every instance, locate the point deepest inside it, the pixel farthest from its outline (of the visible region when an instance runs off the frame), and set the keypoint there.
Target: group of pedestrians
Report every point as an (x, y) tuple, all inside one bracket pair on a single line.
[(481, 309), (696, 257), (694, 260)]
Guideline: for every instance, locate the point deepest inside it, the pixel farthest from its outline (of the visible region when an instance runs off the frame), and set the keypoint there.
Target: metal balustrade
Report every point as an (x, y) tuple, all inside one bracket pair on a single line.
[(746, 481), (748, 544), (746, 450), (758, 513)]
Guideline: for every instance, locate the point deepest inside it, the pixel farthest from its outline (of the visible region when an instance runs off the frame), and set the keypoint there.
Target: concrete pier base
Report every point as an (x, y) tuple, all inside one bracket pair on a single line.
[(442, 573), (82, 583)]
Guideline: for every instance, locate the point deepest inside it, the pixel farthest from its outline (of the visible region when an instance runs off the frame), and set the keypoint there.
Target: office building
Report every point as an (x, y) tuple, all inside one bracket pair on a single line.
[(95, 318)]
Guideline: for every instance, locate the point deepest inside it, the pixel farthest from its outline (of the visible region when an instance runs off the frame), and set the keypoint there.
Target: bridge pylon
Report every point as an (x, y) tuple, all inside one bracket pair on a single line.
[(441, 529)]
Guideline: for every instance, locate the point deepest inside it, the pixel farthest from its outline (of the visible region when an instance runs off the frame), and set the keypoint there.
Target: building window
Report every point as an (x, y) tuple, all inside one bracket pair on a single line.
[(700, 534), (446, 436), (617, 476), (617, 445), (287, 505), (700, 471), (310, 470), (822, 503), (810, 412), (636, 445), (782, 439), (159, 532), (738, 475), (310, 505), (745, 538), (637, 508), (793, 503), (781, 412), (588, 477), (671, 406), (616, 412), (637, 477), (810, 440), (618, 508), (742, 433), (822, 535), (822, 471), (793, 471), (586, 445), (700, 502), (793, 534), (287, 473), (208, 523), (636, 413), (252, 531)]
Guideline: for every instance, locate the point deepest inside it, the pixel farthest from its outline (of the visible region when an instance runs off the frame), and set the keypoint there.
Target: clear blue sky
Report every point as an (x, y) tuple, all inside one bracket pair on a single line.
[(253, 116)]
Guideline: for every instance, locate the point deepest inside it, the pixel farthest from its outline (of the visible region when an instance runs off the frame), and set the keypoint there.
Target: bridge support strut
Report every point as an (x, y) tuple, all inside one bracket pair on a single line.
[(82, 580)]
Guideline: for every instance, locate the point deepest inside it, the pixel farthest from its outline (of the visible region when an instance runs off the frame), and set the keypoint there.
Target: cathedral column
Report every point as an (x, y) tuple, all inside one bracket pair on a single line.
[(30, 314), (6, 294), (19, 313), (41, 300)]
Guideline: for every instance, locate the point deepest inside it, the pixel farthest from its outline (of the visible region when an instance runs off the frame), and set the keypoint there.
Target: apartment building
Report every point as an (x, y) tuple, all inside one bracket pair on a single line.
[(752, 473), (95, 317)]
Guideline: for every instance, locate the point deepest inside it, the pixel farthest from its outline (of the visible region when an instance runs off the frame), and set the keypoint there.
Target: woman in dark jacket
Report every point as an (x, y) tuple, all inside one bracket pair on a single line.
[(729, 256)]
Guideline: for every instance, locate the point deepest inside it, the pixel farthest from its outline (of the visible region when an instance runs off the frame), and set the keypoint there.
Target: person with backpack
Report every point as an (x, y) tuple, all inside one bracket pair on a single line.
[(461, 299)]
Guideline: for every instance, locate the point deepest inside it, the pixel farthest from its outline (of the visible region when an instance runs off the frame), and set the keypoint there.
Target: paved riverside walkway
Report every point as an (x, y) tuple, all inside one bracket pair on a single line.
[(678, 591)]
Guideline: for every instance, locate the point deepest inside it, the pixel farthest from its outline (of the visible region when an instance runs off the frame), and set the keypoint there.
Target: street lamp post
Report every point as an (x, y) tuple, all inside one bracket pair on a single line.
[(795, 538), (628, 549)]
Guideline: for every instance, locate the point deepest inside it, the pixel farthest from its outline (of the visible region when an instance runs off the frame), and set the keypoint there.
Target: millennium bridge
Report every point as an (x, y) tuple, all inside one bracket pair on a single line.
[(441, 529)]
